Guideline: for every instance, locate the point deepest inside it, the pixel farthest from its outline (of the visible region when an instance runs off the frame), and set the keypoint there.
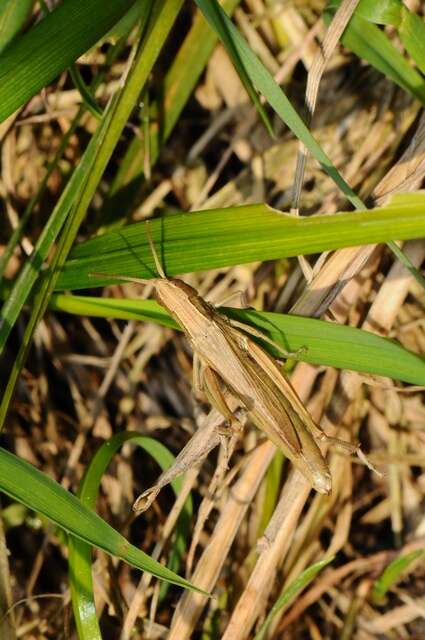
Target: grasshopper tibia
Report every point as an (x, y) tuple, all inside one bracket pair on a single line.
[(350, 449)]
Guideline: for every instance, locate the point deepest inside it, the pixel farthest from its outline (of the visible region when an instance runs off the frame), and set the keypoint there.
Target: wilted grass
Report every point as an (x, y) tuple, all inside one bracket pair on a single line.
[(155, 121)]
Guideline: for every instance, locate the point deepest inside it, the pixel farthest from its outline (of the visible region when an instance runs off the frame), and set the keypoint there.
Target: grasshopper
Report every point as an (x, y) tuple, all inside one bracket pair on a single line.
[(227, 358)]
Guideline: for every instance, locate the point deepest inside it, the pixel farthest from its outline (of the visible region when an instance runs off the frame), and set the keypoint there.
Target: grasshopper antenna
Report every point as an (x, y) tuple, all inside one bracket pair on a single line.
[(113, 276), (158, 264), (156, 260)]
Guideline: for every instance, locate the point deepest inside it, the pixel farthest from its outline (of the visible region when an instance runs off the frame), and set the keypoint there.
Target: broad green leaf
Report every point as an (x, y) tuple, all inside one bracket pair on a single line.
[(49, 47), (290, 593), (319, 342), (79, 559), (223, 237), (392, 573), (13, 15), (23, 482)]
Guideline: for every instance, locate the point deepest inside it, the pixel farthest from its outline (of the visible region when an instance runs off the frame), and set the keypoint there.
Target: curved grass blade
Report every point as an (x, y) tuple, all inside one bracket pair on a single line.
[(290, 593), (79, 559), (319, 342), (24, 483), (392, 574), (216, 15), (412, 35)]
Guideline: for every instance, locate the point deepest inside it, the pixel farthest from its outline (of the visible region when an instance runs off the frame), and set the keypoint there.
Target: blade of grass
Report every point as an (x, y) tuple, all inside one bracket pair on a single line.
[(88, 99), (24, 483), (412, 35), (392, 574), (290, 593), (324, 343), (368, 42), (238, 61), (383, 12), (236, 235), (39, 56), (13, 16), (272, 483), (79, 558)]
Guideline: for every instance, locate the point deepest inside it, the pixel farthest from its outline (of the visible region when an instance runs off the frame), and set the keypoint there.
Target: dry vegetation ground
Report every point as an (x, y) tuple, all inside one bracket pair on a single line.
[(87, 379)]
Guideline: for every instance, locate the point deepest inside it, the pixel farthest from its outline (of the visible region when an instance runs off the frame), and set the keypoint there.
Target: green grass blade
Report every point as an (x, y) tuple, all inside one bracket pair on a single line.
[(215, 14), (392, 574), (79, 558), (216, 238), (290, 593), (24, 483), (383, 12), (272, 487), (412, 35), (368, 42), (325, 343), (37, 58), (13, 15), (86, 95)]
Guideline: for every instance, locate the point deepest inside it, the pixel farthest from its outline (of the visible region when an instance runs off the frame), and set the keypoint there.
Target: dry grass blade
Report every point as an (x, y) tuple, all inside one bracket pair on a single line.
[(407, 174), (211, 562), (333, 35)]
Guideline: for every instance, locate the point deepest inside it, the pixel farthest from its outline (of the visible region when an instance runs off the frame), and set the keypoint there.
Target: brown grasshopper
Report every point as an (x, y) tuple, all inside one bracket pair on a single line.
[(229, 359)]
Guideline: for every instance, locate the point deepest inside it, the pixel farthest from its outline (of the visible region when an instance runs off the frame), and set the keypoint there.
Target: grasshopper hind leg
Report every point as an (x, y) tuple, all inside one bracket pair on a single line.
[(348, 448), (212, 385), (259, 334)]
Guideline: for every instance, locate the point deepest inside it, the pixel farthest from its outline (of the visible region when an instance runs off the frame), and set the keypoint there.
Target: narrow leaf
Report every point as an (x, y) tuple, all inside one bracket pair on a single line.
[(23, 482), (319, 342), (37, 58), (79, 559), (392, 573), (290, 593)]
